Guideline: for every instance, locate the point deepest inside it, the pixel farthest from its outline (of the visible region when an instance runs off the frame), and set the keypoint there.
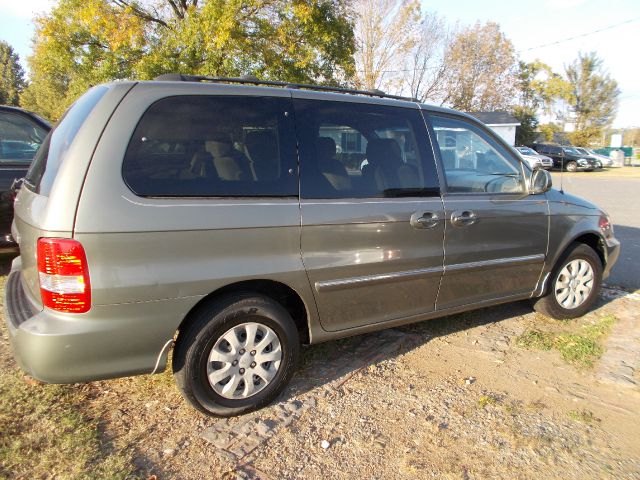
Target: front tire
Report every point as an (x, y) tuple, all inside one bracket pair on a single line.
[(573, 285), (572, 166), (236, 355)]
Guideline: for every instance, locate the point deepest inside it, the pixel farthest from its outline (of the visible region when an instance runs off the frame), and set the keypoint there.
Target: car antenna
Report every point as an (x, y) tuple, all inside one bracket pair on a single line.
[(561, 172)]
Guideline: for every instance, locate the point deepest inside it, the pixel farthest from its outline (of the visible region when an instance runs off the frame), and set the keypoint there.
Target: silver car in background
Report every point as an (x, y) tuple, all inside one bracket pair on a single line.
[(533, 157), (602, 159), (232, 222)]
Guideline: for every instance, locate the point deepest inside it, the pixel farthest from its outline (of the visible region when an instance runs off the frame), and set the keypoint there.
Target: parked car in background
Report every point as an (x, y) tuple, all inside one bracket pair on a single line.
[(222, 220), (567, 158), (531, 160), (542, 160), (586, 154), (603, 159), (21, 133)]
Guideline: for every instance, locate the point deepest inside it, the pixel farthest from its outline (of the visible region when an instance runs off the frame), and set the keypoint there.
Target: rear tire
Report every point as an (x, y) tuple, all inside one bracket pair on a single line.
[(573, 285), (236, 355)]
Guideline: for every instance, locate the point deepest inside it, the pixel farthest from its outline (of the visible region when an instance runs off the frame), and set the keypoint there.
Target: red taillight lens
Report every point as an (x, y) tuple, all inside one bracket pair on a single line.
[(64, 275), (605, 224)]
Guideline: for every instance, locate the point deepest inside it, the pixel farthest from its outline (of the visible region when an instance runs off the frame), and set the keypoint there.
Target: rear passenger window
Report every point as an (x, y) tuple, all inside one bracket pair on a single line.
[(206, 146), (354, 150)]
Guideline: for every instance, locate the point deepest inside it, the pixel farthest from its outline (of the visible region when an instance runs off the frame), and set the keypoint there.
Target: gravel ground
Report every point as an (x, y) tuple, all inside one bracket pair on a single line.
[(448, 398)]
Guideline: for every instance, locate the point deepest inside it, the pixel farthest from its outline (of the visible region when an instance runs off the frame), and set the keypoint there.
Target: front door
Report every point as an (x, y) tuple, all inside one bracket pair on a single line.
[(372, 215), (495, 232)]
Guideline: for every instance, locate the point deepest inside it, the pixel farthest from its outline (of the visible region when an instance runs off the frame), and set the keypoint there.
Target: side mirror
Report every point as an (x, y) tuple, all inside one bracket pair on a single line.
[(540, 182)]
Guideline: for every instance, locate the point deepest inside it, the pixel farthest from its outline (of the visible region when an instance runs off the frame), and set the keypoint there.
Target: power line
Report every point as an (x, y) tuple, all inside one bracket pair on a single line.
[(405, 70), (435, 67), (582, 35)]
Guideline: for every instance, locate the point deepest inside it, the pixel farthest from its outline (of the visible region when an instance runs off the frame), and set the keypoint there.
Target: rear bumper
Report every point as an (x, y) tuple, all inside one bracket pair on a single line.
[(612, 246), (107, 342)]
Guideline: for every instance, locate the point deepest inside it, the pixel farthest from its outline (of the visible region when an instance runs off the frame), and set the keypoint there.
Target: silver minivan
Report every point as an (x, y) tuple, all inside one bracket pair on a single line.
[(233, 222)]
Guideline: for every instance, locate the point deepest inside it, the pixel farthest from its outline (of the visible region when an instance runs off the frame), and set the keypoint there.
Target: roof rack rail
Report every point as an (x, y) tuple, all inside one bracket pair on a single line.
[(251, 80)]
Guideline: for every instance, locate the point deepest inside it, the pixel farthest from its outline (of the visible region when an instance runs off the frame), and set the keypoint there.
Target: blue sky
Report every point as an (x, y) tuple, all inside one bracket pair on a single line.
[(527, 23), (530, 23)]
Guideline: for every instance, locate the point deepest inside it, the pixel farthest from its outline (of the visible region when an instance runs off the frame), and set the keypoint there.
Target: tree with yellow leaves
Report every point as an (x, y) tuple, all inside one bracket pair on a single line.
[(481, 69), (85, 42)]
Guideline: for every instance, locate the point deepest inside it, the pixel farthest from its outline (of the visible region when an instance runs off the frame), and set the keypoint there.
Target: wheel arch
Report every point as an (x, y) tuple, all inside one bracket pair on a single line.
[(280, 292), (593, 240), (590, 238)]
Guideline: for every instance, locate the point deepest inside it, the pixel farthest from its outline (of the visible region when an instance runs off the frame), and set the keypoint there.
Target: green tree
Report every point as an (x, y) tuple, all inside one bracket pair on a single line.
[(549, 130), (538, 88), (527, 132), (79, 44), (11, 75), (481, 69), (84, 42), (595, 98)]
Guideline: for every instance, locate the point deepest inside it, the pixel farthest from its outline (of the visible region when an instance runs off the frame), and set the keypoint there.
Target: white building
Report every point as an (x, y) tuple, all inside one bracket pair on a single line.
[(503, 123)]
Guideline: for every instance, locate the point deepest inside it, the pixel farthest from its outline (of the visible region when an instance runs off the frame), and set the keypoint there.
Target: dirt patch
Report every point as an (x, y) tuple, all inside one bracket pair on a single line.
[(448, 398)]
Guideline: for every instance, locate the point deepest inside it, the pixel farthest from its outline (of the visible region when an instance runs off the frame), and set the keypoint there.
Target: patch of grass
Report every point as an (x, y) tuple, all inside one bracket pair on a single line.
[(535, 339), (580, 347), (601, 327), (46, 435), (584, 416), (485, 400)]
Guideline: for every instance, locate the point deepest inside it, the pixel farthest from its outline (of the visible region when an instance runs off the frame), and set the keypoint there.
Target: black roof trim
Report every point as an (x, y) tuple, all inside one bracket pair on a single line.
[(21, 111), (495, 118), (251, 80)]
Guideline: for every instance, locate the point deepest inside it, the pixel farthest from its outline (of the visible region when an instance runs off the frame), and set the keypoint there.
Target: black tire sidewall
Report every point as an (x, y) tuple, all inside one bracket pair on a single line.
[(572, 166), (210, 326)]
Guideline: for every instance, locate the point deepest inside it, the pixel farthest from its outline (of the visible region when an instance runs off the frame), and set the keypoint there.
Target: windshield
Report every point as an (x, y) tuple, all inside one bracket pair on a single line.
[(526, 151), (584, 151), (571, 151)]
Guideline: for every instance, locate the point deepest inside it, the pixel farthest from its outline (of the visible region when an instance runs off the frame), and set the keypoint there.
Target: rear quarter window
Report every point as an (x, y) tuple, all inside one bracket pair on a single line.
[(213, 146), (53, 150)]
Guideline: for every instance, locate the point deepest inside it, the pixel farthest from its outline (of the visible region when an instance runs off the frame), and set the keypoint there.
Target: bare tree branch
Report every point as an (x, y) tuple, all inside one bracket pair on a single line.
[(139, 12), (385, 32)]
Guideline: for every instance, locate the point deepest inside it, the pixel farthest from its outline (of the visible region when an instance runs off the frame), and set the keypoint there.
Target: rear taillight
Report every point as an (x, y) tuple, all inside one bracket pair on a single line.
[(64, 275), (605, 225)]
